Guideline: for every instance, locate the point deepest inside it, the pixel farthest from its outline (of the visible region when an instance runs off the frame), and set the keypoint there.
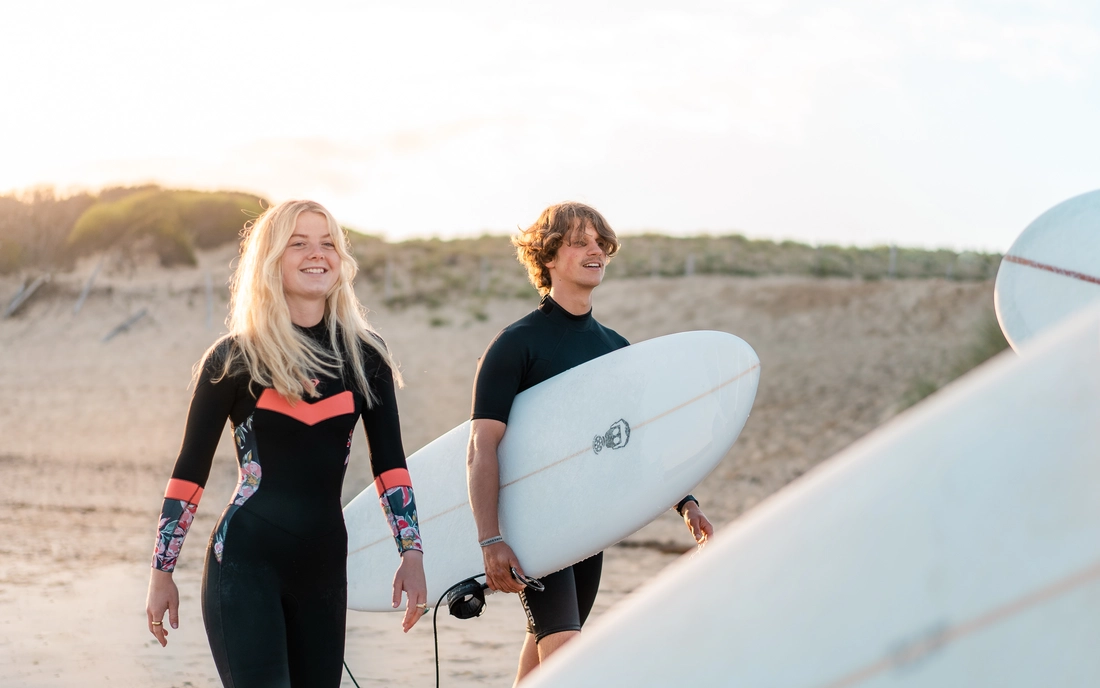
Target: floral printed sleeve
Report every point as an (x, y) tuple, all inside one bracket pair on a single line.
[(181, 500), (210, 406), (396, 495), (387, 457)]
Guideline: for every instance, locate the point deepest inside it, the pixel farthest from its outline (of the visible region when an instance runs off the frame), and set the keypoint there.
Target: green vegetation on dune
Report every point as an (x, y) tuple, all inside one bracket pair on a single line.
[(431, 271), (42, 230), (173, 223), (34, 226)]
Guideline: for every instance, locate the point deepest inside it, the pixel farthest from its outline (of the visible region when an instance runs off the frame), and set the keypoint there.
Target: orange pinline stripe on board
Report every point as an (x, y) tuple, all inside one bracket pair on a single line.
[(574, 455), (919, 649), (692, 401), (1053, 268), (638, 425), (184, 490)]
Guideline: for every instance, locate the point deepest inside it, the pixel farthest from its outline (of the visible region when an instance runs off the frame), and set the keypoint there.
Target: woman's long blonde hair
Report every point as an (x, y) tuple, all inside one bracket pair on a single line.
[(262, 339)]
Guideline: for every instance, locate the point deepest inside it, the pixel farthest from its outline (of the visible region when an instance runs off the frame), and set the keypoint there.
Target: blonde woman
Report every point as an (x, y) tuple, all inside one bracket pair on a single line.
[(297, 371)]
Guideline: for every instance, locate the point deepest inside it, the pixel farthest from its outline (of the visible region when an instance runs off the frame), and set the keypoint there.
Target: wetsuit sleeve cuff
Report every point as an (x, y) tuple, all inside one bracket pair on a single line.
[(181, 501), (400, 509)]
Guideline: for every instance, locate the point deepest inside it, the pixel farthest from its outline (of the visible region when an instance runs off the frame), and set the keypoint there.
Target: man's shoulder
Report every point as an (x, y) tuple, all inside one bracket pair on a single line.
[(522, 328), (611, 335)]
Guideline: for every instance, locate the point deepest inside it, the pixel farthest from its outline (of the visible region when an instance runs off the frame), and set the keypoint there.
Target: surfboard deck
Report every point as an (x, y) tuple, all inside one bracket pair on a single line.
[(956, 546), (1051, 271), (629, 433)]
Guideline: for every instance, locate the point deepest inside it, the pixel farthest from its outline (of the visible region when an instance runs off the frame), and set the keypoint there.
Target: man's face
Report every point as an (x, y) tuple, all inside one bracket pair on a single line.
[(580, 261)]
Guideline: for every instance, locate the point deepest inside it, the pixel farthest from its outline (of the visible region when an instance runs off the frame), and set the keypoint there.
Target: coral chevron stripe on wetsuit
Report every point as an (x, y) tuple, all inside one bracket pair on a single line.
[(274, 593)]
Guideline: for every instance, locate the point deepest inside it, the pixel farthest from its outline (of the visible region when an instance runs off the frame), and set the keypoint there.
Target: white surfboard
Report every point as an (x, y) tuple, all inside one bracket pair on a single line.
[(958, 546), (630, 433), (1051, 271)]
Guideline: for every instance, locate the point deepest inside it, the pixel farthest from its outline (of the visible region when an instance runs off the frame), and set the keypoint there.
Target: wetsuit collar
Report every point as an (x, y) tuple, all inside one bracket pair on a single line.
[(318, 332), (552, 309)]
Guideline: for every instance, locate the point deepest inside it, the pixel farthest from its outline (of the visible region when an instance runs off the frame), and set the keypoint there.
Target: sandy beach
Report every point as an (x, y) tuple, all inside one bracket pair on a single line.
[(89, 431)]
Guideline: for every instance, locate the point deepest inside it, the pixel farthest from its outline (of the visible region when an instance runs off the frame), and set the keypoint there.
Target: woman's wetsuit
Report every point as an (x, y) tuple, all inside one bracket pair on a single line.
[(535, 348), (274, 594)]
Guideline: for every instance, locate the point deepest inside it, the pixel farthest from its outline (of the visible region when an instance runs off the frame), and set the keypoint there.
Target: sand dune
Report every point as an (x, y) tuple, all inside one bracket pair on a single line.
[(89, 430)]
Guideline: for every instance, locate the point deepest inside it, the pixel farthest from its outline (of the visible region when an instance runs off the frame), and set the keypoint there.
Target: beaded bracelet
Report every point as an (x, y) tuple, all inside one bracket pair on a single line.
[(491, 541)]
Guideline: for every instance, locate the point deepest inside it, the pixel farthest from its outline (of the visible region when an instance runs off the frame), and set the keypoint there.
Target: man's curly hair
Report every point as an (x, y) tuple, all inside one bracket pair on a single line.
[(558, 224)]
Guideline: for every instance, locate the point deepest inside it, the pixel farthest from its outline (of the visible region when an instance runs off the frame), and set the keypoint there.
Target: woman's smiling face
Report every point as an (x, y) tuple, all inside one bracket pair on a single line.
[(310, 262)]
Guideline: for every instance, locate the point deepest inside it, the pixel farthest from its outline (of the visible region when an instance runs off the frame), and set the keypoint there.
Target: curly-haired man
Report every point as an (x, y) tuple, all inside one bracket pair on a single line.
[(565, 252)]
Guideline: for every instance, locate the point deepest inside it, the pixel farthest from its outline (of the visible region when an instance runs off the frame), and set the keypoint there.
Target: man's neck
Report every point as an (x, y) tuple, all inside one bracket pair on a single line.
[(574, 301)]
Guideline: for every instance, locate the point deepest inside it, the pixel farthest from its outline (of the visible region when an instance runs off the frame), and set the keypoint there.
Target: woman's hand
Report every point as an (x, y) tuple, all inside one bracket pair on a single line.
[(410, 579), (697, 523), (163, 596)]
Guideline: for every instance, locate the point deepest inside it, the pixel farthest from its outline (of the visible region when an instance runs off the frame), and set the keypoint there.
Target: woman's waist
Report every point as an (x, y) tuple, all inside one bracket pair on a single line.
[(297, 515)]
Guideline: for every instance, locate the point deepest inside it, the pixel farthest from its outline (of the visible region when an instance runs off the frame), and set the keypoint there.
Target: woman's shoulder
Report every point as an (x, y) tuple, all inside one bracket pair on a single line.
[(214, 360)]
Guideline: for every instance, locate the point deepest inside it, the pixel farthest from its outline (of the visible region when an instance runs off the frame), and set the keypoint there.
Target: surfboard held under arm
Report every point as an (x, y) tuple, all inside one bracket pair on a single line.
[(589, 457)]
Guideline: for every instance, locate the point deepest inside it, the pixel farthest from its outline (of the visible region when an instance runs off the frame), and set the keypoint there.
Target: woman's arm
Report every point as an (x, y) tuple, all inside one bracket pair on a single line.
[(382, 425), (210, 407)]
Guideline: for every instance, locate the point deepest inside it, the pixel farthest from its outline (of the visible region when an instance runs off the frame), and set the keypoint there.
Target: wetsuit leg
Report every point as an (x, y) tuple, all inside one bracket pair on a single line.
[(316, 610), (275, 606), (567, 600), (242, 609)]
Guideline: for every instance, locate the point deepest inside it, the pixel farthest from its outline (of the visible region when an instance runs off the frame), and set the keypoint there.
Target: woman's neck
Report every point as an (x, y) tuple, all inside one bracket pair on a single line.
[(306, 313)]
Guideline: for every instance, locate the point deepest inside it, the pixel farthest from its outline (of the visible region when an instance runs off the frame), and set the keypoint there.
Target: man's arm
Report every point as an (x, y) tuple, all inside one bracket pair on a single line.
[(483, 483)]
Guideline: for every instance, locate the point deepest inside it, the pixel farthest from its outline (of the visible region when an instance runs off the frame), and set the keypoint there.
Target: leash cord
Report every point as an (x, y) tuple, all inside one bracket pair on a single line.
[(435, 633), (351, 674)]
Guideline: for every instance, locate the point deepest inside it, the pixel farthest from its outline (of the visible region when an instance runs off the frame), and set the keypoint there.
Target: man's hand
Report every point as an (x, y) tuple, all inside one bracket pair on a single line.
[(499, 562), (697, 522)]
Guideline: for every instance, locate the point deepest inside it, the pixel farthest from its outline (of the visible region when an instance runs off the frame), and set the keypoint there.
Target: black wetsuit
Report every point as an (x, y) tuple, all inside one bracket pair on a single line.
[(274, 592), (542, 344)]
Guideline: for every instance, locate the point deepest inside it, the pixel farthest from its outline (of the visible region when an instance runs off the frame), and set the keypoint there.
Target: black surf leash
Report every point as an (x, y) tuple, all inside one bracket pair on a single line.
[(351, 674), (466, 600)]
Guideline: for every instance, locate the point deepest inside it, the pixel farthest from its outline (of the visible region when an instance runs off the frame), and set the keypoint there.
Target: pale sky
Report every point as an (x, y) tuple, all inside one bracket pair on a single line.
[(923, 123)]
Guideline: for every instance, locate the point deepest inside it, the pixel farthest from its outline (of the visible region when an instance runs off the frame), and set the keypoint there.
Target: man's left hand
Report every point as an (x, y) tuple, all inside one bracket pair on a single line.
[(697, 522)]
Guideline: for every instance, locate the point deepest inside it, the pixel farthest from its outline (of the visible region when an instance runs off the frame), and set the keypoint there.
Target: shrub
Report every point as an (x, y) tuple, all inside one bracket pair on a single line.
[(172, 223)]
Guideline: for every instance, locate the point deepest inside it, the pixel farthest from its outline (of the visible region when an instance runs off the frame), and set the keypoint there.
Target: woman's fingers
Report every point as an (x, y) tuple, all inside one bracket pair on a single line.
[(174, 612), (156, 627)]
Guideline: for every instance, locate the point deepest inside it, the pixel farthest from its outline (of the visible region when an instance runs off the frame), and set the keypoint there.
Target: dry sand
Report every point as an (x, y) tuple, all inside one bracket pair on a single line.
[(89, 430)]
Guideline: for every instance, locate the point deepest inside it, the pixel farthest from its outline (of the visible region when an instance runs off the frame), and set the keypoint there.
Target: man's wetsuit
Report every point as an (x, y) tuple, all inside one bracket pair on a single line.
[(542, 344), (274, 594)]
